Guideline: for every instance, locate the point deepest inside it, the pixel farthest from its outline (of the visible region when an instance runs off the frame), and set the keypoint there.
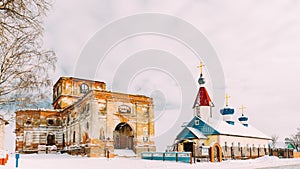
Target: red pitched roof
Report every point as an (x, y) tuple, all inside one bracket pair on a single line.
[(202, 98)]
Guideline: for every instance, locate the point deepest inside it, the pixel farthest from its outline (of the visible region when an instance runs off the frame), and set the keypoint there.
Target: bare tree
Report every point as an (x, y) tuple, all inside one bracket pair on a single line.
[(24, 64), (274, 139)]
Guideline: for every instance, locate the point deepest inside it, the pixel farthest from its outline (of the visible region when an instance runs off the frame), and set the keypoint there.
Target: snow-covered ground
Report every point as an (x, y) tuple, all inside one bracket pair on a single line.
[(70, 162)]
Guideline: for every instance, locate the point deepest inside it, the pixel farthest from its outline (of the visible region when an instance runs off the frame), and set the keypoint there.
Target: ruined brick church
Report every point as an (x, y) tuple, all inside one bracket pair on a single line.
[(87, 118)]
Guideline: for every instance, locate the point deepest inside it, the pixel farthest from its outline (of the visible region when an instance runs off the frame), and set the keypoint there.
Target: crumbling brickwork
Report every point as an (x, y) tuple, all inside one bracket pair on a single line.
[(87, 119)]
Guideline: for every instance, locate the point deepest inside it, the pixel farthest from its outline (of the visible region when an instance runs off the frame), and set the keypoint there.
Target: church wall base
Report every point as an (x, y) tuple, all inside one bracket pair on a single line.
[(95, 151), (139, 149)]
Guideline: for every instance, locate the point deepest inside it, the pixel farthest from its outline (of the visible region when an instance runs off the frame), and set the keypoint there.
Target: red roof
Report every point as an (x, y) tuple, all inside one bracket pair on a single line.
[(202, 98)]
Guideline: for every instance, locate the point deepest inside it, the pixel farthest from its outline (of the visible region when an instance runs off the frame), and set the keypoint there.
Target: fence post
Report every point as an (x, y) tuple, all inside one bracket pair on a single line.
[(17, 156), (164, 156), (191, 158), (176, 156)]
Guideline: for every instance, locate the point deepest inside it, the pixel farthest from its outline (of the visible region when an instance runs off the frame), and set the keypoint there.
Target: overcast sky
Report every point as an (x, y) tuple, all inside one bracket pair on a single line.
[(257, 43)]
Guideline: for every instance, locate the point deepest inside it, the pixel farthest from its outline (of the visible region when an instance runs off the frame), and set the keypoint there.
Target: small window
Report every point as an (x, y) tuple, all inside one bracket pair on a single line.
[(87, 107), (58, 91), (74, 136), (145, 139), (50, 122), (68, 118), (239, 146), (225, 146), (145, 131), (28, 122), (197, 122), (84, 88), (59, 122)]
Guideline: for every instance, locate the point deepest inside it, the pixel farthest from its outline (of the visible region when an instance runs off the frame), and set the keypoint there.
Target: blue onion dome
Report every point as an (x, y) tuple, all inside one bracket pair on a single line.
[(227, 111), (244, 120), (201, 80)]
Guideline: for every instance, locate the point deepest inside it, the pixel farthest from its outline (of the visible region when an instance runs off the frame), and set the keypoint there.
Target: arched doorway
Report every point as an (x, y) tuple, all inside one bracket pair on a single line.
[(123, 136), (50, 139), (216, 153)]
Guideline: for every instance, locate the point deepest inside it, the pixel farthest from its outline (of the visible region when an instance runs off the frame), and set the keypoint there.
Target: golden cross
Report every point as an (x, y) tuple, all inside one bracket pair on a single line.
[(201, 66), (242, 108), (227, 99)]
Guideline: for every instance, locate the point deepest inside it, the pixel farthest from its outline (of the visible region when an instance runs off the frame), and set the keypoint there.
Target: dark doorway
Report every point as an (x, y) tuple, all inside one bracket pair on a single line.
[(123, 136), (50, 139), (188, 147)]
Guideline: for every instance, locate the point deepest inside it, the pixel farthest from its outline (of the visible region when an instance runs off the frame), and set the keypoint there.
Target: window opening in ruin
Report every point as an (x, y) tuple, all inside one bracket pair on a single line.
[(28, 122), (50, 122), (74, 136), (84, 88)]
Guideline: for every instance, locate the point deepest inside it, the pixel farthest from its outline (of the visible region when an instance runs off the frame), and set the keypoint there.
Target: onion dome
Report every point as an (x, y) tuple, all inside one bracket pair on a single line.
[(227, 114), (243, 119), (201, 80)]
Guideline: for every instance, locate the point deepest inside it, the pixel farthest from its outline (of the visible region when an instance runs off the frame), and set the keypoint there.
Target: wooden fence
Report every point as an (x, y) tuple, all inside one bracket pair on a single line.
[(185, 157)]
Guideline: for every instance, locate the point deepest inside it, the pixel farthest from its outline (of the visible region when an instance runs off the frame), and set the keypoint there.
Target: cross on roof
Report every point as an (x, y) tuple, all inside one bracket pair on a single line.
[(227, 99), (200, 67), (243, 108)]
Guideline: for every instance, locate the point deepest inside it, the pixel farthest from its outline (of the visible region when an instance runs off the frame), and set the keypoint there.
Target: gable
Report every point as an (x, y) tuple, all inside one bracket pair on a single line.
[(185, 134), (202, 126)]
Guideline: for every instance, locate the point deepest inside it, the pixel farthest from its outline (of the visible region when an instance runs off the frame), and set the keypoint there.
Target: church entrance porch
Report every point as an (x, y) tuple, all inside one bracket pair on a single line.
[(123, 136)]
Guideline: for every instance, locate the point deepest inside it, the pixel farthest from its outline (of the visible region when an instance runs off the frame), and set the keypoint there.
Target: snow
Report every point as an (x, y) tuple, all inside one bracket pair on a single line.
[(197, 133), (64, 161), (40, 109), (124, 153), (236, 129)]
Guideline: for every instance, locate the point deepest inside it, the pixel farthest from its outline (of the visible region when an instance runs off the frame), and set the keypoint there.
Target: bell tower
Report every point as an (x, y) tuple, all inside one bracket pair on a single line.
[(203, 104)]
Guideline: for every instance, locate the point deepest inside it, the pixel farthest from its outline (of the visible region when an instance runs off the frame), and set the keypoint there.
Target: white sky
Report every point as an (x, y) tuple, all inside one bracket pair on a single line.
[(257, 43)]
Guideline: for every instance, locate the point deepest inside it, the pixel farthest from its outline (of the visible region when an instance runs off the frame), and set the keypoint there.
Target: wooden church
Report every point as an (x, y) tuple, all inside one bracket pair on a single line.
[(206, 135)]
